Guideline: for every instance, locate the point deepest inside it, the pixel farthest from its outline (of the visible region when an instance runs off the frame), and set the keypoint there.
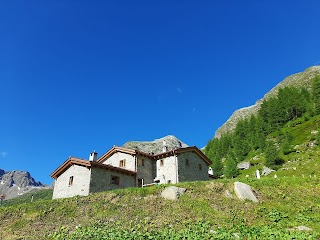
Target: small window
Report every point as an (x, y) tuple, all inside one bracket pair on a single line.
[(161, 162), (71, 181), (140, 162), (115, 180), (200, 167), (187, 162), (122, 163), (169, 181)]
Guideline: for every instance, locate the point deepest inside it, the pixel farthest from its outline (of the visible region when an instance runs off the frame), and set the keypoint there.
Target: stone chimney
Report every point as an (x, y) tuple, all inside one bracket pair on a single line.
[(164, 148), (93, 156)]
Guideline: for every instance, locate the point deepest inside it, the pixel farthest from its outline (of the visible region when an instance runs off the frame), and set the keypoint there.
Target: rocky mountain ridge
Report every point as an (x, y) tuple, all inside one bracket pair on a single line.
[(15, 183), (296, 80), (170, 142)]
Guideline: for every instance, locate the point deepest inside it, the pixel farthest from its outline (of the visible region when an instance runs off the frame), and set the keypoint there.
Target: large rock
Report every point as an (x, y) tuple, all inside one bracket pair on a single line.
[(243, 165), (156, 146), (243, 192), (172, 192), (266, 171), (295, 80)]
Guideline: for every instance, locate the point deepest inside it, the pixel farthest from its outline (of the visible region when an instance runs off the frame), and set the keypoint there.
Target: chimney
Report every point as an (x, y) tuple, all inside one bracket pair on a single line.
[(165, 148), (93, 156)]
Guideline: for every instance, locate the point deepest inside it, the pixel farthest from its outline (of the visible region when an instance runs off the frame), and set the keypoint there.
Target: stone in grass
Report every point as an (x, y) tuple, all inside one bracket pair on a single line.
[(243, 165), (172, 192), (266, 171), (303, 228), (243, 192)]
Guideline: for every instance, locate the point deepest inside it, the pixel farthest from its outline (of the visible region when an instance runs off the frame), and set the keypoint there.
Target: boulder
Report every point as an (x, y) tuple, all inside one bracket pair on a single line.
[(172, 192), (244, 191), (266, 171), (243, 165), (303, 228)]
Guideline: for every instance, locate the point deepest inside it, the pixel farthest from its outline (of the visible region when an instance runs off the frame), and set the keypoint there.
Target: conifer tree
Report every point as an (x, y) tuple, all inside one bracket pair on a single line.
[(217, 167), (315, 93), (231, 170), (273, 159)]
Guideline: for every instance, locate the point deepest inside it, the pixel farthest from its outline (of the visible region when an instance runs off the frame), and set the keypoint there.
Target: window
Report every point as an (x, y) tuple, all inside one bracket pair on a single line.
[(140, 162), (169, 181), (200, 167), (161, 162), (187, 162), (71, 181), (115, 180), (122, 163)]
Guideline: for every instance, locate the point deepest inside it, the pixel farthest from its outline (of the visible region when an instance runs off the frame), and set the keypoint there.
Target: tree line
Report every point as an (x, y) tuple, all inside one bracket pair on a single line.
[(252, 133)]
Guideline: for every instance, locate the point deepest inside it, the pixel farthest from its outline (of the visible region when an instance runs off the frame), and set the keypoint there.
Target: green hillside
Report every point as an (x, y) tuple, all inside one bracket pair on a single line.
[(38, 195), (203, 212), (284, 136)]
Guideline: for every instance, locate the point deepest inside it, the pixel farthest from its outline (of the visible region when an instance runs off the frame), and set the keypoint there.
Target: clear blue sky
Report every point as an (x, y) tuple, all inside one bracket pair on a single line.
[(82, 75)]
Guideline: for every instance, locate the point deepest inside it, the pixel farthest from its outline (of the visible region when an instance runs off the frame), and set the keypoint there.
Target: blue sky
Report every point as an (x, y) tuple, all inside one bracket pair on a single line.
[(82, 75)]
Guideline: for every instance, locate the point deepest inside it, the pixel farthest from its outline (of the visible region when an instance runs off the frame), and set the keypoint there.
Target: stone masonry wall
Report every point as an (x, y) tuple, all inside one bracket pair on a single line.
[(189, 167), (101, 180), (80, 183), (146, 172), (114, 160), (167, 173)]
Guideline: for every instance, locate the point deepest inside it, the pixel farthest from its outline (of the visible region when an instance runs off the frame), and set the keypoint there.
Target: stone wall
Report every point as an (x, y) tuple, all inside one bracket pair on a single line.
[(101, 180), (167, 173), (189, 167), (79, 185), (147, 171), (115, 159)]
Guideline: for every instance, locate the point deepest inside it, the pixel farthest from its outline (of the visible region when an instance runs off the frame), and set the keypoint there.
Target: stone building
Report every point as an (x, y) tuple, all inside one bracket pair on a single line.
[(122, 168)]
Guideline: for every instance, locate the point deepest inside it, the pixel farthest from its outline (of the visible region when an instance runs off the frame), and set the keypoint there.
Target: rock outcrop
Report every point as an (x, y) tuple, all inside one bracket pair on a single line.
[(15, 183), (172, 192), (243, 192), (243, 165), (296, 80), (156, 146)]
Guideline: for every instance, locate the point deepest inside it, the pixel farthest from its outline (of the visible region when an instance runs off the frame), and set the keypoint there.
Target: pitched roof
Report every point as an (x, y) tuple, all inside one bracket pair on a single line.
[(182, 150), (113, 150), (89, 164), (155, 156)]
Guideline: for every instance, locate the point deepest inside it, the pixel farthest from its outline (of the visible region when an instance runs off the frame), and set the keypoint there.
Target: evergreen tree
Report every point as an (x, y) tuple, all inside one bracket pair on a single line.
[(315, 93), (231, 170), (273, 159), (217, 167)]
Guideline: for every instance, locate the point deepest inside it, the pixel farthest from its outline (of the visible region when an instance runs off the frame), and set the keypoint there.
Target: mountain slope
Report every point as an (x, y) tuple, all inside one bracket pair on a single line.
[(297, 80), (16, 183)]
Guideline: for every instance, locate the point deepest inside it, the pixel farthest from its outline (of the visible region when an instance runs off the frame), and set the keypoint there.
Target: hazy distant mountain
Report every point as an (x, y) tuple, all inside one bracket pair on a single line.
[(15, 183), (296, 80), (156, 146)]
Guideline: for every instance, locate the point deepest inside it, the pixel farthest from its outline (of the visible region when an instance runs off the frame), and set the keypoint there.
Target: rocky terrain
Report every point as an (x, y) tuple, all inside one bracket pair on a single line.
[(16, 183), (296, 80), (156, 146)]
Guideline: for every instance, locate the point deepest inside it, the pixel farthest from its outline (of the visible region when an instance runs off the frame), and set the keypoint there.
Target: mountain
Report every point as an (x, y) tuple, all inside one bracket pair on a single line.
[(16, 183), (156, 146), (296, 80)]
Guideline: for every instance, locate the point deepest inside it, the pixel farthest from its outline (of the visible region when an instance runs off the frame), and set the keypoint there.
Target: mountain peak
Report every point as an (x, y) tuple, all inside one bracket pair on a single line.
[(14, 183), (156, 146)]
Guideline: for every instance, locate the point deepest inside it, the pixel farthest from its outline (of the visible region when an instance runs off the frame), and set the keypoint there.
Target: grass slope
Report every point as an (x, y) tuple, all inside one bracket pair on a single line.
[(303, 159), (204, 212)]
